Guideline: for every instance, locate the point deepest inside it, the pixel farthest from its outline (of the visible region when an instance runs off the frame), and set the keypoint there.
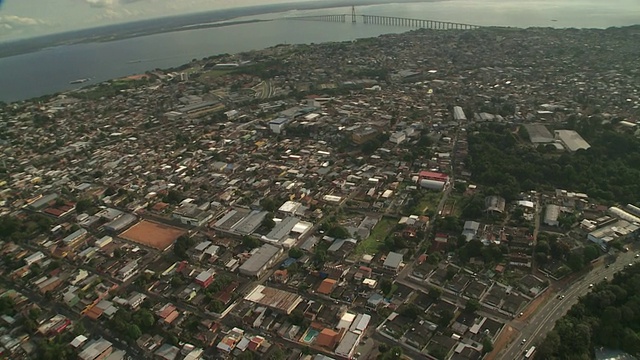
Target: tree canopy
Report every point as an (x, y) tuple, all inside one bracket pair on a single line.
[(609, 316), (507, 165)]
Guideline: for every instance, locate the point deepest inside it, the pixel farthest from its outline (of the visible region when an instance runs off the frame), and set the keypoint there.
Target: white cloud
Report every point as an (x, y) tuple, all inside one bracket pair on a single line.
[(13, 20), (101, 3), (12, 25)]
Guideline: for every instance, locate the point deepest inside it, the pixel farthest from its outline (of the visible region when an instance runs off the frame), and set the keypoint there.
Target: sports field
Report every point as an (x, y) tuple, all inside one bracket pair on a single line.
[(152, 234)]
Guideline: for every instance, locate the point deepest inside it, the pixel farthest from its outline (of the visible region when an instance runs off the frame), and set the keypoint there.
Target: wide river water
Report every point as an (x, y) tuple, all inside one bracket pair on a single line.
[(50, 70)]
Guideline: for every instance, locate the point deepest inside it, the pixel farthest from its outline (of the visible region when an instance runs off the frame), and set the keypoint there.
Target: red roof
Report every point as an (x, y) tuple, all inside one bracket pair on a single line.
[(326, 286), (434, 176)]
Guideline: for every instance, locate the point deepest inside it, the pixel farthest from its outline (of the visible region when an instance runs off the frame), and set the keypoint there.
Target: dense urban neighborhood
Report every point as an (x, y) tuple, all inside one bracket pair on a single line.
[(427, 195)]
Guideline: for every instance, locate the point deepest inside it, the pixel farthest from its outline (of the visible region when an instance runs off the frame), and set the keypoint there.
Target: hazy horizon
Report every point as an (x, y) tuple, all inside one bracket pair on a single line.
[(23, 19)]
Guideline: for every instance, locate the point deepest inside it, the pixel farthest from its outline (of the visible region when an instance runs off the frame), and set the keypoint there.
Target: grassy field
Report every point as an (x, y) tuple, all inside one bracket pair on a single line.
[(372, 244), (428, 201), (212, 74)]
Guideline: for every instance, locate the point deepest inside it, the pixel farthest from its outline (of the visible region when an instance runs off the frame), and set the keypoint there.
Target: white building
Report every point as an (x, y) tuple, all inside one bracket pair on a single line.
[(277, 125), (571, 140), (551, 215), (398, 137), (34, 258)]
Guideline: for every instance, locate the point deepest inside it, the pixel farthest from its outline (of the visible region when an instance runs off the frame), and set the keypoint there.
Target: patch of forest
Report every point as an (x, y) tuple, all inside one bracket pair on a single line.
[(501, 159), (608, 316)]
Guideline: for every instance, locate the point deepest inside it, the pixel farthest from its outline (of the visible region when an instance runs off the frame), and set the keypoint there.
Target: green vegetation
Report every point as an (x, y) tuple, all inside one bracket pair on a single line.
[(370, 146), (182, 244), (213, 74), (502, 163), (295, 253), (132, 325), (375, 241), (421, 202), (387, 353), (549, 247), (16, 229), (250, 242), (608, 316)]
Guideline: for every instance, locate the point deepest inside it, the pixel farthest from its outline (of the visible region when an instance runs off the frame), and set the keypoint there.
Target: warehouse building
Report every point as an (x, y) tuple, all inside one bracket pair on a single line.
[(571, 140), (120, 223), (538, 133), (618, 230), (275, 299), (458, 114), (260, 261)]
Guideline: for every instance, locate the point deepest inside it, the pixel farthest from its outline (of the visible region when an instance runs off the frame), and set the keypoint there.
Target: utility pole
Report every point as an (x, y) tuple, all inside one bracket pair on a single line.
[(353, 14)]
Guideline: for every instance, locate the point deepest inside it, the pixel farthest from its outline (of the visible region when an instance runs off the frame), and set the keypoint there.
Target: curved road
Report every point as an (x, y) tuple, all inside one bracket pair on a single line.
[(533, 330)]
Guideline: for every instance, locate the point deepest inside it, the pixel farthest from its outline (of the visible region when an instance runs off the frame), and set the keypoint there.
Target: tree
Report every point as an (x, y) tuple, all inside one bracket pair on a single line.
[(173, 197), (295, 253), (445, 318), (386, 286), (576, 261), (338, 232), (133, 332), (250, 242), (410, 311), (268, 221), (434, 293), (472, 306), (83, 205), (394, 353), (277, 354), (182, 244), (296, 317), (591, 252), (268, 204), (487, 345)]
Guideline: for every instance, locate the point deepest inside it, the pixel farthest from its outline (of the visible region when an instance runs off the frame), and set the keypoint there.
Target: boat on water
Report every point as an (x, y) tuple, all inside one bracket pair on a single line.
[(78, 81)]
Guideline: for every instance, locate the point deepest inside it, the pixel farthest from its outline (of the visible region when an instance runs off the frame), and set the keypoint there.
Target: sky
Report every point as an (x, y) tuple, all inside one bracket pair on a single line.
[(27, 18)]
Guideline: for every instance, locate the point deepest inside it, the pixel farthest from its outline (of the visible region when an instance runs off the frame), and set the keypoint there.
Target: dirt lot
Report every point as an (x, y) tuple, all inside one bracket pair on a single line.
[(503, 340), (152, 234)]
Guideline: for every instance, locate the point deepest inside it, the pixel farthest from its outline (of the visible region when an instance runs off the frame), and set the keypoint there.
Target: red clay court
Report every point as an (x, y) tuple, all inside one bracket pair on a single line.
[(152, 234)]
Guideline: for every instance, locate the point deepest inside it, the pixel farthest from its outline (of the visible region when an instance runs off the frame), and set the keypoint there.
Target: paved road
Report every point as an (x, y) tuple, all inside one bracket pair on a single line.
[(543, 321)]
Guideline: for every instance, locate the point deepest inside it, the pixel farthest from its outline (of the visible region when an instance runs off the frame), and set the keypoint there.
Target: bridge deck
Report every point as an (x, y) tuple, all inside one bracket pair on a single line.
[(388, 20)]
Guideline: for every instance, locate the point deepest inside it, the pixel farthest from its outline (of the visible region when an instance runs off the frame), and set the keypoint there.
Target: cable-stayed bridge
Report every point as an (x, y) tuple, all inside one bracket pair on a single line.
[(386, 20)]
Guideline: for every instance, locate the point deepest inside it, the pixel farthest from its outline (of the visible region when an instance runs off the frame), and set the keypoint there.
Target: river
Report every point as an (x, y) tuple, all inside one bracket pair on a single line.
[(49, 70)]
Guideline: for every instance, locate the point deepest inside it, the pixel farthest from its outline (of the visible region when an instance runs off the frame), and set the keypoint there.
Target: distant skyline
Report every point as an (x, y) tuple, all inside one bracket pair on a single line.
[(28, 18)]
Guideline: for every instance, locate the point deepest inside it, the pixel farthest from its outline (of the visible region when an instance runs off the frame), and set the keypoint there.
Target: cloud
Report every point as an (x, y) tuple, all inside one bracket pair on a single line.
[(17, 25), (13, 20), (100, 3)]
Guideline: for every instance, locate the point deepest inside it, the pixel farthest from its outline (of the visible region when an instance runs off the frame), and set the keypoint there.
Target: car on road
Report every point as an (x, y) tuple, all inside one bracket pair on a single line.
[(607, 266), (637, 256), (560, 297), (523, 341), (590, 286)]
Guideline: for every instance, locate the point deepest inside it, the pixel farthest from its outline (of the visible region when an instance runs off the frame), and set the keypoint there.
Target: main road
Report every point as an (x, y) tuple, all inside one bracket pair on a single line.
[(533, 330)]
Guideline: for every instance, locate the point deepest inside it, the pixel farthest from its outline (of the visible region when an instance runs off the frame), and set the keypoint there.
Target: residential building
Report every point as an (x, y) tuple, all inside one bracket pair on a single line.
[(393, 261), (96, 350)]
